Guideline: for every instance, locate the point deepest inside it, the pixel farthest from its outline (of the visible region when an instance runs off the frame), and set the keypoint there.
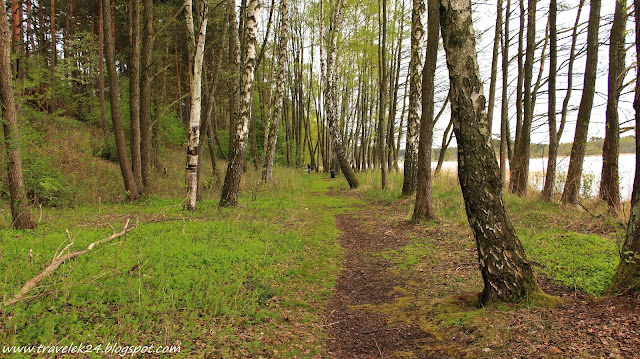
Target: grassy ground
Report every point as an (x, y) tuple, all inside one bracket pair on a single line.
[(254, 281), (234, 282), (574, 256), (244, 282)]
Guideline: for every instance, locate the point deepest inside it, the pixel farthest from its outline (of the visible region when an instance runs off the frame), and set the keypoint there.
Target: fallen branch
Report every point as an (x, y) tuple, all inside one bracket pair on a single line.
[(58, 260), (589, 212)]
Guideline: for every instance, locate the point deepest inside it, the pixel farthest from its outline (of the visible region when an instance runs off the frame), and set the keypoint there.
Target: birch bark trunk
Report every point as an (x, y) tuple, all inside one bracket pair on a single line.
[(196, 42), (506, 272), (231, 187), (269, 153)]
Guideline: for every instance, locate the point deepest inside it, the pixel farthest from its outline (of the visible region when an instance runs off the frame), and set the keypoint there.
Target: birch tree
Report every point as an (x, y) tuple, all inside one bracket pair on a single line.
[(270, 149), (331, 95), (382, 83), (415, 93), (238, 149), (520, 173), (506, 272), (196, 46), (424, 207)]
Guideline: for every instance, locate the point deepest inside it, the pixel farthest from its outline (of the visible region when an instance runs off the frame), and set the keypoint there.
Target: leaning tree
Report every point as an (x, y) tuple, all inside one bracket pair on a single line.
[(506, 272)]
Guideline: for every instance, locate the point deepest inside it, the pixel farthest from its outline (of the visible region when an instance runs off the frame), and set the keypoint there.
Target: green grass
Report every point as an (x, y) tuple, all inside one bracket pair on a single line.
[(223, 282), (571, 247), (582, 261)]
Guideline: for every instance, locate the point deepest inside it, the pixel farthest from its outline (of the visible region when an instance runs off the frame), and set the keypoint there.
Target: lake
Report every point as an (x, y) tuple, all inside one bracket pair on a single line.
[(591, 171)]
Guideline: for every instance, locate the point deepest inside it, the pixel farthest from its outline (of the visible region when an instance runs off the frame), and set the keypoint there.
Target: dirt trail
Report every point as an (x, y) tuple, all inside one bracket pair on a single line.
[(380, 310), (356, 331)]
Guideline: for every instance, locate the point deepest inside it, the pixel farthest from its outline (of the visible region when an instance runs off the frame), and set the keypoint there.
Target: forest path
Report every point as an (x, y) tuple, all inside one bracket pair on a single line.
[(360, 318), (408, 290)]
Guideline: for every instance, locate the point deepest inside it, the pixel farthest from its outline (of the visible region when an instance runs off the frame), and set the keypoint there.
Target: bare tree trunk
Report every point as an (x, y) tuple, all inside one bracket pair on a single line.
[(116, 117), (415, 94), (19, 203), (134, 91), (514, 160), (574, 174), (103, 110), (494, 66), (52, 62), (270, 149), (231, 187), (331, 96), (627, 275), (234, 59), (446, 140), (609, 185), (554, 141), (423, 209), (146, 79), (520, 173), (210, 117), (382, 70), (504, 111), (16, 38), (196, 53), (506, 272), (547, 191), (446, 137)]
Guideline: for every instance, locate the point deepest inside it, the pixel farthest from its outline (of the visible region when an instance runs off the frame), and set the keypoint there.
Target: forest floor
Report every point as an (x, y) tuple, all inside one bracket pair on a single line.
[(408, 290), (303, 268)]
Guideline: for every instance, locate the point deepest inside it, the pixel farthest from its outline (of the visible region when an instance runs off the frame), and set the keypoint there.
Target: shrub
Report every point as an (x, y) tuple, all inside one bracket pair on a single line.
[(45, 184), (106, 149)]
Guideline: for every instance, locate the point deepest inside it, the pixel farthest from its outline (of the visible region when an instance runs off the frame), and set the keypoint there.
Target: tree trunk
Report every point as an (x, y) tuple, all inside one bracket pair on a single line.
[(415, 94), (506, 272), (196, 53), (382, 71), (423, 209), (146, 79), (134, 91), (270, 149), (211, 117), (116, 117), (514, 160), (494, 65), (234, 60), (627, 275), (504, 111), (103, 110), (331, 96), (16, 39), (609, 184), (446, 137), (52, 62), (231, 187), (520, 173), (574, 174), (554, 140), (547, 191), (19, 203), (446, 140)]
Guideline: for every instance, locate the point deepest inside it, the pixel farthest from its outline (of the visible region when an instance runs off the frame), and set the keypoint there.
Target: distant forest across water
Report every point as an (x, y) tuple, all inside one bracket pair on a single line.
[(594, 148)]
